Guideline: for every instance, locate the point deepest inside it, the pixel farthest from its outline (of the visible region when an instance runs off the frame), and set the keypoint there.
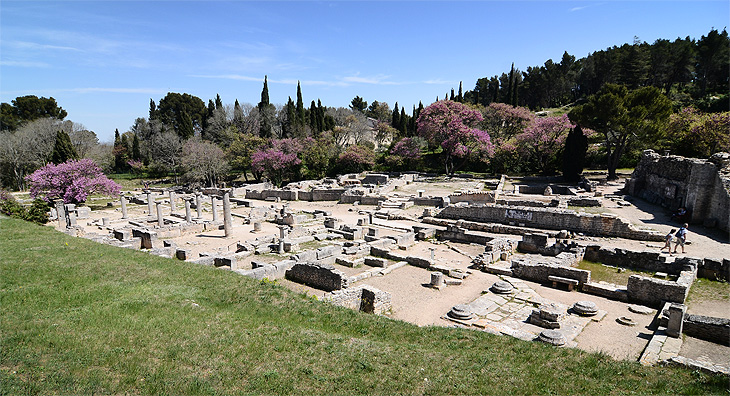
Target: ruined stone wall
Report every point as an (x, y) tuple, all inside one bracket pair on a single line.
[(707, 328), (549, 218), (654, 292), (540, 271), (362, 298), (320, 276), (702, 186), (637, 260)]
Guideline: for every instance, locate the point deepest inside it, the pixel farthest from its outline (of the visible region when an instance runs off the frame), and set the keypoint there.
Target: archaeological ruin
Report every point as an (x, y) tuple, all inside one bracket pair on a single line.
[(506, 256)]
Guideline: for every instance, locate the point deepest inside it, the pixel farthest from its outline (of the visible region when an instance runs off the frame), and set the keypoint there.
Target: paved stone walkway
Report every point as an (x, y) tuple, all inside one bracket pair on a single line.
[(509, 314)]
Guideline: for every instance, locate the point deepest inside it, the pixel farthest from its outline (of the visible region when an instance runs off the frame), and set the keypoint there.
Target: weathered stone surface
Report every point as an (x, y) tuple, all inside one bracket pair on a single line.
[(461, 312), (501, 287), (320, 276), (585, 308), (552, 337)]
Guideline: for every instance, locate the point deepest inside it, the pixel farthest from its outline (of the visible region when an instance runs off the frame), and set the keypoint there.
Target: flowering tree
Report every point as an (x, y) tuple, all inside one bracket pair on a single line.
[(452, 125), (356, 158), (542, 141), (278, 160), (72, 181), (405, 153)]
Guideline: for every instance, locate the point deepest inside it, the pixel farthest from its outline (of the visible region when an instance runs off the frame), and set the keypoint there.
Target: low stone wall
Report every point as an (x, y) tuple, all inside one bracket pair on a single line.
[(654, 292), (269, 271), (487, 227), (363, 298), (284, 195), (474, 197), (707, 328), (428, 201), (612, 292), (320, 276), (458, 234), (539, 271), (550, 218), (650, 261), (333, 194), (714, 269)]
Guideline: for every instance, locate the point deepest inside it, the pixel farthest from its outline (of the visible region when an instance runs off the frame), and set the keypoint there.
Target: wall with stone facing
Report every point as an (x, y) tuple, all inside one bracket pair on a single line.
[(363, 298), (550, 218), (320, 276), (654, 292), (707, 328), (539, 271), (702, 186), (637, 260)]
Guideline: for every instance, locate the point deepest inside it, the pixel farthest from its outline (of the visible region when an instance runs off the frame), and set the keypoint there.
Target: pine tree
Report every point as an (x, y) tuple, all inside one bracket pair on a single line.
[(63, 150)]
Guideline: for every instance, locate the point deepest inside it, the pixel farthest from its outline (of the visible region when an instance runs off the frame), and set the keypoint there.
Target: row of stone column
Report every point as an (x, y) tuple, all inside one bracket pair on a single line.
[(227, 217)]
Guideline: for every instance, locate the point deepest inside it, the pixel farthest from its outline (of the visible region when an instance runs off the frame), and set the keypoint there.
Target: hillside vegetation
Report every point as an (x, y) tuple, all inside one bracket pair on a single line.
[(83, 318)]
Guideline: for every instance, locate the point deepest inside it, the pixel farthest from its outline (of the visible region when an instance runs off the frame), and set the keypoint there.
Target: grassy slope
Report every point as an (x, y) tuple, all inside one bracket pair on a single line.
[(79, 317)]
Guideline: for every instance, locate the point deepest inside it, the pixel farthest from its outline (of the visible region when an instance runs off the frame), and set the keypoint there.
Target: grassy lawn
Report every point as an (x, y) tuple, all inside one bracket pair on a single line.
[(84, 318), (705, 289), (600, 272)]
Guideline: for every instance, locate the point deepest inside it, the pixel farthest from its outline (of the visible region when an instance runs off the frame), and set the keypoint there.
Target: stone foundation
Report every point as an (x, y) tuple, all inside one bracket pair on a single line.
[(362, 298)]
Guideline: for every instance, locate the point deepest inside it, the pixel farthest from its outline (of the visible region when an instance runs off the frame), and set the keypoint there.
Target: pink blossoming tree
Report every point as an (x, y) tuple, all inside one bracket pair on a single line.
[(542, 141), (278, 160), (453, 126), (72, 181)]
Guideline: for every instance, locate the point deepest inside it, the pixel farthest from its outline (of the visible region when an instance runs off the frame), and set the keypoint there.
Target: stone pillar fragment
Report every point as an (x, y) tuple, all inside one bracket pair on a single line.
[(61, 213), (172, 202), (149, 203), (160, 220), (198, 206), (188, 215), (213, 208), (227, 219), (123, 201), (676, 320)]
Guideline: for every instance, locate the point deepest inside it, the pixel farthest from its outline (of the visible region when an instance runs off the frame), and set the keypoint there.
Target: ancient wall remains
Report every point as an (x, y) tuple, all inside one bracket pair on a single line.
[(654, 292), (363, 298), (707, 328), (321, 276), (550, 218), (702, 186)]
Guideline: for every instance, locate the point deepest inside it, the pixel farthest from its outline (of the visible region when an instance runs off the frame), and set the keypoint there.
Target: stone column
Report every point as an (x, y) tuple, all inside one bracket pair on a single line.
[(198, 206), (172, 202), (149, 203), (213, 208), (160, 220), (256, 226), (188, 216), (123, 201), (433, 253), (676, 320), (70, 215), (105, 222), (227, 219), (283, 231), (61, 213)]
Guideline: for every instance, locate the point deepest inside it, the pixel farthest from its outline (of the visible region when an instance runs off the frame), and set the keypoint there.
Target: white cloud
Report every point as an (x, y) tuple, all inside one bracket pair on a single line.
[(23, 63)]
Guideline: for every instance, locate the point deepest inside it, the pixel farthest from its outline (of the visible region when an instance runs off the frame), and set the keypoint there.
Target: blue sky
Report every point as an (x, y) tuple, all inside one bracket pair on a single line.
[(103, 61)]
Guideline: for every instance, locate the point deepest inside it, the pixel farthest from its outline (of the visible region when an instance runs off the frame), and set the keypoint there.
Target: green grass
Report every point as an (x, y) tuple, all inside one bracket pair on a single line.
[(706, 289), (600, 272), (84, 318)]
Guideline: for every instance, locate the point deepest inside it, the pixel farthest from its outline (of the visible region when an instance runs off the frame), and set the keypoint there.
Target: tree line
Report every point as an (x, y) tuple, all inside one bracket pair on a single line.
[(614, 104)]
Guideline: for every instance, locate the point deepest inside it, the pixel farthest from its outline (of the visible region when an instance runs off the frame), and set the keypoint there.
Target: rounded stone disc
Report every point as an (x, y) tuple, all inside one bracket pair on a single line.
[(460, 311), (501, 287), (626, 321), (552, 337), (640, 309), (587, 308)]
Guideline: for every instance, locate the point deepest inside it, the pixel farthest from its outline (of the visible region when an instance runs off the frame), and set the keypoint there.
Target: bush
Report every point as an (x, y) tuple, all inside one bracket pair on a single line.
[(36, 213)]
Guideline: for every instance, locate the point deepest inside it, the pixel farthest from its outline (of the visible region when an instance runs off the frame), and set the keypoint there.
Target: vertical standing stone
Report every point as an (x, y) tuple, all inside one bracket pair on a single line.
[(61, 213), (160, 220), (256, 226), (433, 253), (676, 320), (283, 231), (123, 201), (198, 206), (227, 219), (214, 209), (188, 216), (105, 222), (149, 203), (172, 202), (281, 246), (70, 215)]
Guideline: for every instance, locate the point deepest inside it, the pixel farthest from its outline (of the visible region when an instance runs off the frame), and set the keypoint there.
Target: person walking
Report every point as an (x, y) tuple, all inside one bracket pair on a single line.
[(668, 241), (681, 237)]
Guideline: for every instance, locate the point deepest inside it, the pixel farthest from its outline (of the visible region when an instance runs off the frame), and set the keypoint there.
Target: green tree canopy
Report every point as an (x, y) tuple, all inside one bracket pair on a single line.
[(28, 108), (623, 118), (63, 150)]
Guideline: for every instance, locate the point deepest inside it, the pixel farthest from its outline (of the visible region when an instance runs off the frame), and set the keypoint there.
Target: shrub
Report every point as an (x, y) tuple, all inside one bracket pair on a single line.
[(36, 213)]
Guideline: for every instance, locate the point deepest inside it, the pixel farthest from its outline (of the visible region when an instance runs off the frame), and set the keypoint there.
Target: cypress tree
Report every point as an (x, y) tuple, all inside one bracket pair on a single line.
[(153, 110), (120, 152), (301, 117), (403, 127), (452, 94), (185, 126), (136, 154), (218, 102), (265, 111), (320, 116), (265, 93), (290, 118), (576, 145), (508, 99), (313, 118), (63, 150), (460, 97), (395, 118)]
